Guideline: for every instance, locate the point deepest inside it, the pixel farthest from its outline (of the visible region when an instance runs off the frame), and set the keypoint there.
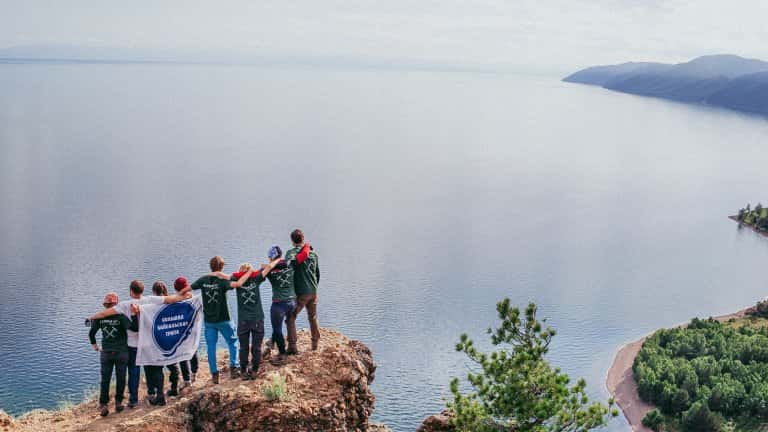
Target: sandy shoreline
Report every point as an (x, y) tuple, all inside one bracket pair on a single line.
[(621, 381)]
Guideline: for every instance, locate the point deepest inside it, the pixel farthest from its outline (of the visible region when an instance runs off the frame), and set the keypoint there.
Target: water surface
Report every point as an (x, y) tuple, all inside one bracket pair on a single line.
[(429, 196)]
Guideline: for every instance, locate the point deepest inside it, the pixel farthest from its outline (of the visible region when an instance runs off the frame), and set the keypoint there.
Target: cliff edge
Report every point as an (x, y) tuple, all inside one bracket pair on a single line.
[(327, 390)]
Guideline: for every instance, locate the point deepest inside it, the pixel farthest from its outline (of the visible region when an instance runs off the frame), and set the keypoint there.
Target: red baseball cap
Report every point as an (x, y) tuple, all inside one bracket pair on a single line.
[(180, 283)]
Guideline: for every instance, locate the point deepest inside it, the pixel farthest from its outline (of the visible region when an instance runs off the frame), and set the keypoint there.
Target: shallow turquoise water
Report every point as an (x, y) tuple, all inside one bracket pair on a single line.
[(428, 195)]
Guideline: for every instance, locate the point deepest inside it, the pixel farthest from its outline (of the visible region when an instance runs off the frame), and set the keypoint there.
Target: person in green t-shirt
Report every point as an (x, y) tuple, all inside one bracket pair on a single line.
[(283, 299), (250, 319), (306, 277), (114, 352), (214, 287)]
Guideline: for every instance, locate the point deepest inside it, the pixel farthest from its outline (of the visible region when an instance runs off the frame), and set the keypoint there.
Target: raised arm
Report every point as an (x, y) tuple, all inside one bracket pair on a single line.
[(266, 268)]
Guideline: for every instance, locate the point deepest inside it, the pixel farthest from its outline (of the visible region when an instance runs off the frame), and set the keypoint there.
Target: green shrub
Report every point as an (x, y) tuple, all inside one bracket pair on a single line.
[(654, 419), (276, 389)]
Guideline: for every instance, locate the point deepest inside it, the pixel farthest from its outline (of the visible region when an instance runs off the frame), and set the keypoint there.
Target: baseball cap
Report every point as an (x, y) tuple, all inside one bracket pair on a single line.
[(110, 298), (274, 252), (180, 283)]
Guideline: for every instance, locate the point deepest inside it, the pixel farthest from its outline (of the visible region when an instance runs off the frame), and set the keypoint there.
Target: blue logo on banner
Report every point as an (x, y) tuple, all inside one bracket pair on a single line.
[(173, 326)]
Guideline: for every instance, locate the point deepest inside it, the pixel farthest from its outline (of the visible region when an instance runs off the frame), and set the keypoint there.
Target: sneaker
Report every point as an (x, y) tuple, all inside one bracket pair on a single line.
[(104, 411), (172, 392), (119, 407), (215, 378), (194, 376), (234, 373), (186, 384), (132, 405)]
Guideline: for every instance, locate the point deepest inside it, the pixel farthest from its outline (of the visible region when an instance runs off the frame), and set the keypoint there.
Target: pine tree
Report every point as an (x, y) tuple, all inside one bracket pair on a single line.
[(516, 389)]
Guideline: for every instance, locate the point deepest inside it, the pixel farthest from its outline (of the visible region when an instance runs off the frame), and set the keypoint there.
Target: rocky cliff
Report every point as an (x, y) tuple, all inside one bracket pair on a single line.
[(327, 390)]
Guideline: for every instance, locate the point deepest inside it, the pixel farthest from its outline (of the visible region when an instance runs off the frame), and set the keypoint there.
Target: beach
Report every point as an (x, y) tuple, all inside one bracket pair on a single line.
[(621, 381)]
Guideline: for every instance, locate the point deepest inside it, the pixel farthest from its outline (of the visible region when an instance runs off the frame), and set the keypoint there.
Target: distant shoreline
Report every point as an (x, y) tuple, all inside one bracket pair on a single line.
[(621, 382)]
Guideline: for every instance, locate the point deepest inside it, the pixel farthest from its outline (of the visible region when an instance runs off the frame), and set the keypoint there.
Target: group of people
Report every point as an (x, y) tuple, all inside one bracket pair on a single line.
[(294, 279)]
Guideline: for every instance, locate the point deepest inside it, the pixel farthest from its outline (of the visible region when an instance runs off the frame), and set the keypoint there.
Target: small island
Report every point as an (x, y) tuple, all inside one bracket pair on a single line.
[(710, 375), (756, 218)]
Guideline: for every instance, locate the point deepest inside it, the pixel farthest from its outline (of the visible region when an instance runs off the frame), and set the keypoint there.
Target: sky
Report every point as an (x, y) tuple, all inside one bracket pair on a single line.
[(552, 35)]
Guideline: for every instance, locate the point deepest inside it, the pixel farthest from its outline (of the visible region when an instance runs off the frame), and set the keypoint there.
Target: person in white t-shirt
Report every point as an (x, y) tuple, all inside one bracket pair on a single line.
[(124, 307)]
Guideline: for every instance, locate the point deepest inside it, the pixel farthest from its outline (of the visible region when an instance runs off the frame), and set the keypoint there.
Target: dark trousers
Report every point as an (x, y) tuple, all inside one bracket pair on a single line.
[(134, 375), (156, 378), (119, 362), (251, 335), (278, 313), (310, 302), (185, 367)]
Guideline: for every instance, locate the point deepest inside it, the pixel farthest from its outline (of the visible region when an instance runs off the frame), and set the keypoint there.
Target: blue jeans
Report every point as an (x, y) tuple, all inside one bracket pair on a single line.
[(212, 331), (134, 375), (279, 312)]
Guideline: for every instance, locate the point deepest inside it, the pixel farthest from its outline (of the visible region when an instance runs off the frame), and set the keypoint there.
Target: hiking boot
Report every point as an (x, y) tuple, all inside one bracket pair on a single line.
[(247, 375), (132, 405), (314, 345), (104, 411), (292, 351), (234, 373), (172, 392), (280, 360), (119, 407), (186, 384), (157, 401), (194, 376), (244, 373), (215, 378)]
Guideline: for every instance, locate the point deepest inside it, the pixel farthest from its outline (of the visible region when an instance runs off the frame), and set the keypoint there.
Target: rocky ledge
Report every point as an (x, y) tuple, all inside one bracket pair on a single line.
[(327, 390)]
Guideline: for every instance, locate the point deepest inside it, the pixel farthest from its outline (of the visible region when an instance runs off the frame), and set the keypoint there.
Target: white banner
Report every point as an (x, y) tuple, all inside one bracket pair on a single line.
[(169, 333)]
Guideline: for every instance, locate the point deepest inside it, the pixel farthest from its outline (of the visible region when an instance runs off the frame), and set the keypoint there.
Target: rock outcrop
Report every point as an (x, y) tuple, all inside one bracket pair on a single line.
[(437, 423), (327, 390)]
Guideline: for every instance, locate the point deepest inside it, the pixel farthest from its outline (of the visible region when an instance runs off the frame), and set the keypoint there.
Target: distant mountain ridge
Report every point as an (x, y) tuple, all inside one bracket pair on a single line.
[(724, 80)]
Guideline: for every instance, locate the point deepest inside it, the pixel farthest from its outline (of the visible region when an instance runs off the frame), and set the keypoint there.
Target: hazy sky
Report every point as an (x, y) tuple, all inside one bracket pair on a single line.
[(543, 34)]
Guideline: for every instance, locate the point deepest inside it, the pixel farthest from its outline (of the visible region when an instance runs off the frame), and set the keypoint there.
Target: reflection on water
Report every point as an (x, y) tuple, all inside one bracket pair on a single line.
[(429, 196)]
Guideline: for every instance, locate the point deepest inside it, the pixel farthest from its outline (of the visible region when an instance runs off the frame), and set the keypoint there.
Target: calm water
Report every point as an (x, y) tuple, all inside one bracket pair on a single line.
[(429, 196)]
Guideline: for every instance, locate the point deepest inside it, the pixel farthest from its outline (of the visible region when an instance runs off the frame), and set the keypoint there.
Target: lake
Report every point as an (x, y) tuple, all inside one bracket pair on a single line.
[(428, 196)]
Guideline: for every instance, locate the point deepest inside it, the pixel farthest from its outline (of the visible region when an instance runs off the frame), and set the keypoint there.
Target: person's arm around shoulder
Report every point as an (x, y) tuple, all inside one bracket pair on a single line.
[(120, 308), (185, 294), (239, 283), (266, 268)]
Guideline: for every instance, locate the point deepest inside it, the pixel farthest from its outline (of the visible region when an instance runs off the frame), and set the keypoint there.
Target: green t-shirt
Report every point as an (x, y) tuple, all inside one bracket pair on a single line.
[(215, 309), (249, 300), (281, 279), (307, 274), (114, 335)]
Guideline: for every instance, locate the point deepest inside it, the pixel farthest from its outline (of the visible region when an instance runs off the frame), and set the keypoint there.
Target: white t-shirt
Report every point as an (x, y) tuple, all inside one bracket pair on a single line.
[(124, 307)]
